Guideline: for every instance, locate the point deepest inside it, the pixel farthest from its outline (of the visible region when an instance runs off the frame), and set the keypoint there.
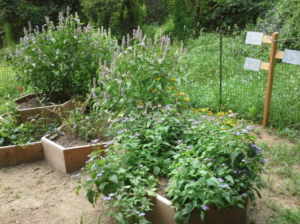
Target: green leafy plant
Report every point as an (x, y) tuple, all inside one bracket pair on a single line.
[(61, 58), (210, 160), (143, 73), (14, 133)]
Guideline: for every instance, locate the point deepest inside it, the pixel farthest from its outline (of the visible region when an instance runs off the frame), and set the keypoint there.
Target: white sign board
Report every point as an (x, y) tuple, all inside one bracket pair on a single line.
[(252, 64), (291, 56), (254, 38)]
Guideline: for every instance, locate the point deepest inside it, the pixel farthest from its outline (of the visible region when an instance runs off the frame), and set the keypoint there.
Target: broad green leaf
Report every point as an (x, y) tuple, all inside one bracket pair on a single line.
[(114, 178), (90, 196), (156, 170), (229, 178), (167, 161), (120, 217), (233, 156)]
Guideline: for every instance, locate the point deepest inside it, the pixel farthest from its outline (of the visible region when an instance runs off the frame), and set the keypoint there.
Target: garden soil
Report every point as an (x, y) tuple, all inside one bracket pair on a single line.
[(38, 193)]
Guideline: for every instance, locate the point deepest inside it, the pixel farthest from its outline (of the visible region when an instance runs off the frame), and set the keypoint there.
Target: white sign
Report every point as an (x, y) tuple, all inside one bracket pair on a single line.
[(252, 64), (291, 56), (254, 38)]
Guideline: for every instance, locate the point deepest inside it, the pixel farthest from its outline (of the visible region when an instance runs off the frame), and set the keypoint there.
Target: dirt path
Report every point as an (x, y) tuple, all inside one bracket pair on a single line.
[(38, 193)]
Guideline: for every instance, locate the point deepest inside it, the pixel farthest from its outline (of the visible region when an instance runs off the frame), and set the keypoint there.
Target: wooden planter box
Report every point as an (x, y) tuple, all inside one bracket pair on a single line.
[(163, 213), (70, 159), (30, 112), (14, 154)]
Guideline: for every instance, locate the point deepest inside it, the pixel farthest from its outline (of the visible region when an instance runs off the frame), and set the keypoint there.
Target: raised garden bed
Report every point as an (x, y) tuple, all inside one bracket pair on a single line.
[(45, 110), (163, 213), (68, 159), (14, 154)]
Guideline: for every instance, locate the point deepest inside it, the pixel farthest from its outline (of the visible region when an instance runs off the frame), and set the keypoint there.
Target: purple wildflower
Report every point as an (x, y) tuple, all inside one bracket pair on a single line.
[(99, 175), (95, 141), (204, 207), (265, 160), (142, 214), (179, 141), (159, 105), (236, 133), (220, 180), (189, 147), (141, 165), (224, 186), (88, 179), (244, 131), (223, 164), (244, 195), (145, 112)]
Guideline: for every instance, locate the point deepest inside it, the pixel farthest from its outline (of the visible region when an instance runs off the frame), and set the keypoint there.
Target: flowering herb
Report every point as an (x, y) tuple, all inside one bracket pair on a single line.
[(205, 165), (61, 57)]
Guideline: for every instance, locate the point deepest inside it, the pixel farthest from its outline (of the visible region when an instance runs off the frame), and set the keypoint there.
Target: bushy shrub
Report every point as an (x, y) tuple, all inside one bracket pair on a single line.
[(62, 58), (209, 160), (143, 73)]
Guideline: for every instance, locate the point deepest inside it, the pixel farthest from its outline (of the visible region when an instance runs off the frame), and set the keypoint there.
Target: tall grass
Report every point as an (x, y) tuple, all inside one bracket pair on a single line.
[(243, 91), (8, 83)]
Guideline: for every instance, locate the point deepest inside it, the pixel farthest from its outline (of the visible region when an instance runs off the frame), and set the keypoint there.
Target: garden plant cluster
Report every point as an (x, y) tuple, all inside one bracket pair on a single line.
[(140, 91)]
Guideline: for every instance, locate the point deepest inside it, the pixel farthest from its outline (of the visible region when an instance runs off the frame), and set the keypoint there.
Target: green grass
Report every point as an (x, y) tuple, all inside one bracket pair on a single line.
[(284, 216), (241, 89), (8, 84)]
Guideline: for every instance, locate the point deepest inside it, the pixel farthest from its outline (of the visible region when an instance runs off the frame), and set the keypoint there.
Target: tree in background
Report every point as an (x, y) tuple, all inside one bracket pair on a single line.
[(122, 16), (15, 14)]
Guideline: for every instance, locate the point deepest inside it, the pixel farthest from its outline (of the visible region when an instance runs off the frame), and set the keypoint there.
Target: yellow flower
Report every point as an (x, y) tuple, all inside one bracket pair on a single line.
[(172, 87), (198, 110), (230, 111), (226, 113), (139, 104), (209, 112), (195, 112), (186, 99), (194, 109), (232, 125), (207, 108), (202, 110), (173, 79), (158, 79), (224, 128), (186, 107), (182, 93), (229, 122), (220, 113), (153, 91), (176, 94), (119, 115)]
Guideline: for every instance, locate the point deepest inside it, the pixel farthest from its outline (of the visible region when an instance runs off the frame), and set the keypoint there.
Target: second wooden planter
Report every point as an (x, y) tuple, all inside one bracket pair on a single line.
[(163, 213), (43, 111), (15, 155), (69, 159)]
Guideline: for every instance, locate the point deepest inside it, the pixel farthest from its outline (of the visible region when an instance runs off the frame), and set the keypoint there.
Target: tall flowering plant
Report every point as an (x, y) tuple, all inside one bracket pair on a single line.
[(62, 57), (143, 71)]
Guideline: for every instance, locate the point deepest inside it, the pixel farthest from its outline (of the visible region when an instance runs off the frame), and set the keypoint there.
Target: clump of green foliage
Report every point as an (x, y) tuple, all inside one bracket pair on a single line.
[(62, 58), (209, 160), (142, 73)]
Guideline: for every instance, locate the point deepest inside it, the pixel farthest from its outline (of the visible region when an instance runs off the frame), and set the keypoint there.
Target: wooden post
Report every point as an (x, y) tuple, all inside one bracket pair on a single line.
[(270, 79)]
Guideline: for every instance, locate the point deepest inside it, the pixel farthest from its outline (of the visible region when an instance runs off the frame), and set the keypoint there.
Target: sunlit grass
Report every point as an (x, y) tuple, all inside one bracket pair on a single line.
[(242, 90)]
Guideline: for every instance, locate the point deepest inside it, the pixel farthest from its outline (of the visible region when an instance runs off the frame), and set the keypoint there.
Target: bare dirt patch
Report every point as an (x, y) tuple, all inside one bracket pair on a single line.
[(70, 141), (38, 193)]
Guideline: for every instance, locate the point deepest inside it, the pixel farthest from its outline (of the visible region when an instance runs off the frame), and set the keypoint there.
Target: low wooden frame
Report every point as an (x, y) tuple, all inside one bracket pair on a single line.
[(70, 159), (45, 111), (15, 155), (163, 213)]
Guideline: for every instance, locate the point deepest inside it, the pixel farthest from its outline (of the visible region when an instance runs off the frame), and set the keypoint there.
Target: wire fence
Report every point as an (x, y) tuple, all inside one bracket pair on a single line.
[(8, 82), (216, 61), (220, 80)]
